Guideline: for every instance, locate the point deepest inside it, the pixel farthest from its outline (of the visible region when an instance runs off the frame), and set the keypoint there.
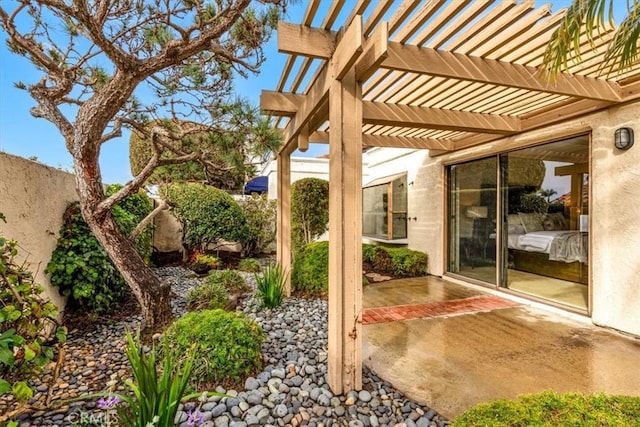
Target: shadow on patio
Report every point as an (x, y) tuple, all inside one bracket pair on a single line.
[(451, 347)]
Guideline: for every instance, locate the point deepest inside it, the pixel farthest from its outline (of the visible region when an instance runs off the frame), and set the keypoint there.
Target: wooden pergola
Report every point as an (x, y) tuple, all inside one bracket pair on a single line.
[(427, 74)]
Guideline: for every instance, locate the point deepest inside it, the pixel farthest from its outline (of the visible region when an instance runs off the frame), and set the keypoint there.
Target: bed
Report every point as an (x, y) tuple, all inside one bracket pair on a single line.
[(541, 244)]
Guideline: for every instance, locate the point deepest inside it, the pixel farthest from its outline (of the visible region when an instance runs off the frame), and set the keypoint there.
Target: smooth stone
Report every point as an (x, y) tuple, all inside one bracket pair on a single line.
[(364, 395), (251, 384)]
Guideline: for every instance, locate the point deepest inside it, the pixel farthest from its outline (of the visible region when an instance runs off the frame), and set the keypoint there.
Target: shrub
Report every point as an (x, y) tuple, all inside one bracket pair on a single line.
[(309, 211), (552, 409), (250, 265), (311, 265), (207, 215), (270, 285), (406, 262), (260, 213), (25, 319), (311, 269), (533, 203), (228, 344), (229, 279), (81, 269), (208, 295), (201, 263)]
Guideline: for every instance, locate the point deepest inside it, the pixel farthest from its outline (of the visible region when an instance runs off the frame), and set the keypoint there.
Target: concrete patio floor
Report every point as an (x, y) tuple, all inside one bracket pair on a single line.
[(451, 346)]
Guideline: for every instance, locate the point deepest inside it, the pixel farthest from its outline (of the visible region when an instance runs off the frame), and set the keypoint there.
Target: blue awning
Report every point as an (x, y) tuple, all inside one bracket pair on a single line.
[(259, 184)]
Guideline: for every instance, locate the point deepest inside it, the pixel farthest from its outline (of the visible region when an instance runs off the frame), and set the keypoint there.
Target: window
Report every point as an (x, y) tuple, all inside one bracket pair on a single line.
[(384, 207)]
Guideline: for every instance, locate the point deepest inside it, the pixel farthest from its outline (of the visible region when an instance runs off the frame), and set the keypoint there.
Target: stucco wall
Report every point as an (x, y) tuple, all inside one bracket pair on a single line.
[(301, 167), (614, 213), (167, 232), (33, 198)]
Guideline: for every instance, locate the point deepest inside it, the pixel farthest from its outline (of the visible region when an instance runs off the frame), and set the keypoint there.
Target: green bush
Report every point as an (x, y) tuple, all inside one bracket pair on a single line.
[(311, 269), (309, 211), (260, 213), (270, 285), (25, 318), (207, 215), (229, 279), (311, 265), (228, 344), (208, 295), (552, 409), (80, 267), (406, 262), (250, 265)]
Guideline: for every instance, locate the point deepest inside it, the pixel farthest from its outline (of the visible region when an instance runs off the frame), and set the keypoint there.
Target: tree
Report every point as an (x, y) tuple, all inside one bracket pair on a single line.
[(143, 65), (309, 211), (592, 16)]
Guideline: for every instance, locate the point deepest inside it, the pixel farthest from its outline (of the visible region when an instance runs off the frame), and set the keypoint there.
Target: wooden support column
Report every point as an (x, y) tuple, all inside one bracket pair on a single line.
[(283, 226), (345, 235)]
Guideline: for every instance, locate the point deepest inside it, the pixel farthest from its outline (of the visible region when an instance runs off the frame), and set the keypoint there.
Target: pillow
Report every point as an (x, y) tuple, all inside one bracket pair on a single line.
[(555, 221), (531, 222), (514, 224)]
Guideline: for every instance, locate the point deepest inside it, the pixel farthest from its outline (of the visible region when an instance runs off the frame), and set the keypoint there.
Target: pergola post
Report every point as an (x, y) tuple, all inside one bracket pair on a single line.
[(283, 226), (345, 234)]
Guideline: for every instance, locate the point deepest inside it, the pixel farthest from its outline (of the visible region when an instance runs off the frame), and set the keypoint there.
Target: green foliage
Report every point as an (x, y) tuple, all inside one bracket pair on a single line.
[(311, 265), (25, 317), (311, 269), (155, 393), (250, 265), (552, 409), (207, 215), (208, 295), (260, 213), (395, 261), (533, 203), (228, 344), (309, 211), (129, 213), (270, 285), (229, 279)]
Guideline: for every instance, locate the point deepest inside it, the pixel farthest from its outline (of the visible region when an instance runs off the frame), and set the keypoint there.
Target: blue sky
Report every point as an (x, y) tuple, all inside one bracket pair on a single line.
[(25, 136)]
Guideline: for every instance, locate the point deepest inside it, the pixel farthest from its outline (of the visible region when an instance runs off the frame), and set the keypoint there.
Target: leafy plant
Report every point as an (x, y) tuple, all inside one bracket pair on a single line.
[(28, 325), (260, 213), (250, 265), (309, 211), (80, 268), (311, 269), (270, 285), (208, 295), (406, 262), (207, 215), (228, 344), (552, 409), (533, 203), (202, 262), (156, 394), (229, 279)]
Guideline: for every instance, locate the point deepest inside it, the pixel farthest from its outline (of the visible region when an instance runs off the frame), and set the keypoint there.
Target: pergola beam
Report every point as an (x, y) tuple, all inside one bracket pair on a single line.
[(413, 59), (305, 41), (392, 141), (432, 118)]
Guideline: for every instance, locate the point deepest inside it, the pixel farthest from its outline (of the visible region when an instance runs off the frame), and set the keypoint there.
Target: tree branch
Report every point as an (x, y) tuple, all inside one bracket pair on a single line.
[(162, 205)]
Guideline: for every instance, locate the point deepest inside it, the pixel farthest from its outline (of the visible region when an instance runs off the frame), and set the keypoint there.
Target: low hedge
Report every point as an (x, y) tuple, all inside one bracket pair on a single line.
[(311, 264), (552, 409)]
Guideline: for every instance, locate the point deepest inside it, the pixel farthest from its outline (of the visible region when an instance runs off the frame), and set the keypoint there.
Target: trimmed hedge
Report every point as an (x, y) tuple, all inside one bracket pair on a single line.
[(552, 409), (311, 265)]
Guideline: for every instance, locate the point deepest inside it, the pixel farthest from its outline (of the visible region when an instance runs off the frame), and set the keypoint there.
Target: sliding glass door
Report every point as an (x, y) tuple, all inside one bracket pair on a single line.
[(472, 219), (542, 225)]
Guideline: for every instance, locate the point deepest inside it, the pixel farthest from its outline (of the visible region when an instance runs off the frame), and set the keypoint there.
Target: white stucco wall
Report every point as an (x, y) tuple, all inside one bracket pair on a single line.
[(33, 198), (614, 210), (301, 167)]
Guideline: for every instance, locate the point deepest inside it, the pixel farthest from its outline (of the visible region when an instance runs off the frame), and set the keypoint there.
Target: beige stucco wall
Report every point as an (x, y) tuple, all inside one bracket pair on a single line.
[(614, 211), (167, 232), (33, 198)]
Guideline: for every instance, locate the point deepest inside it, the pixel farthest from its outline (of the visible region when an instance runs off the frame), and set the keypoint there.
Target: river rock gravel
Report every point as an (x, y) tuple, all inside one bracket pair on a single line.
[(290, 391)]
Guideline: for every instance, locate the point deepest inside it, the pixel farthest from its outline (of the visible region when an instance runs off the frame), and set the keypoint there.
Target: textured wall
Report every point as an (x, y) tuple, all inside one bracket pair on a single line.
[(33, 197)]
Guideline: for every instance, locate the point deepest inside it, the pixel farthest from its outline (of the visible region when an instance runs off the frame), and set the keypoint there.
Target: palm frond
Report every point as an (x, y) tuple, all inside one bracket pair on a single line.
[(622, 52)]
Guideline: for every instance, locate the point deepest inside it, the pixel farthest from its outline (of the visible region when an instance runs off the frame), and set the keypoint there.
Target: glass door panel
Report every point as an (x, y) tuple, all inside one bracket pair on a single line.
[(472, 219)]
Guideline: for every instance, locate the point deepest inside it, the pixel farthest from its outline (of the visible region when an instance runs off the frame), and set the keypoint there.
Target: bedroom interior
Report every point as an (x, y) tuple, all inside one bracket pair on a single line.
[(538, 244)]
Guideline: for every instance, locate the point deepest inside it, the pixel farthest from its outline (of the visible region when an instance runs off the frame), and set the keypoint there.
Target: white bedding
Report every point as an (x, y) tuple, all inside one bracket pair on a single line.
[(570, 246)]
